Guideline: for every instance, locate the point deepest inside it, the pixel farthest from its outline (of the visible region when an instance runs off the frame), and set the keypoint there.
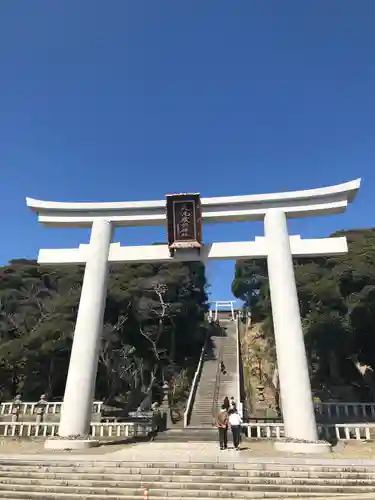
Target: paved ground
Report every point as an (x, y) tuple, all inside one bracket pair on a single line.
[(36, 445), (182, 452), (209, 452)]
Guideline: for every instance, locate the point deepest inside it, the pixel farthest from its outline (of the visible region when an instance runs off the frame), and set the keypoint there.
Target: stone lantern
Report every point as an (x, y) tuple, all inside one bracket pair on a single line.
[(165, 389), (40, 408), (16, 408), (166, 415)]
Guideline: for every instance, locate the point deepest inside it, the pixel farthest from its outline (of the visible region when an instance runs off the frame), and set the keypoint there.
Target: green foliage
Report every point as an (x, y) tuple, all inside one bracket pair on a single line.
[(154, 327), (337, 303)]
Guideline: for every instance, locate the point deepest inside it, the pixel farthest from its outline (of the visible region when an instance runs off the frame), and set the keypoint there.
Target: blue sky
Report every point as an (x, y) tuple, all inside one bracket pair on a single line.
[(129, 100)]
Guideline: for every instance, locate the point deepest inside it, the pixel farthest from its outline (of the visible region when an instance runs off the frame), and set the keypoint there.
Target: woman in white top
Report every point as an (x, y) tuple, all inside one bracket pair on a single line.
[(235, 422)]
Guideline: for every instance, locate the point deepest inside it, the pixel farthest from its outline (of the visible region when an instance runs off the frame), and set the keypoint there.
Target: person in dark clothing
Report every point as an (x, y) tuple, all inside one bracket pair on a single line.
[(155, 421), (222, 368), (222, 425), (226, 403)]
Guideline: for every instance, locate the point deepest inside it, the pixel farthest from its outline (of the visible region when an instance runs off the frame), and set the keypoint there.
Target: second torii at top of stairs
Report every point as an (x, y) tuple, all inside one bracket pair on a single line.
[(219, 304)]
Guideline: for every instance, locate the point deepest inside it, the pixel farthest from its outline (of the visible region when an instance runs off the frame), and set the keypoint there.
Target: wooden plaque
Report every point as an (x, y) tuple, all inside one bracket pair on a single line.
[(184, 221)]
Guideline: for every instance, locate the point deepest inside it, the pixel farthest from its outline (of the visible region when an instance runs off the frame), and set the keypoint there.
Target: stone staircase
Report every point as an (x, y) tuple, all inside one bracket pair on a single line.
[(208, 398), (228, 382), (189, 435), (70, 479)]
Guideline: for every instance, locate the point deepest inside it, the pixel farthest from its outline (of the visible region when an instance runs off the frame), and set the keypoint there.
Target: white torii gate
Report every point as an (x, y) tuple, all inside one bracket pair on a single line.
[(277, 246), (221, 303)]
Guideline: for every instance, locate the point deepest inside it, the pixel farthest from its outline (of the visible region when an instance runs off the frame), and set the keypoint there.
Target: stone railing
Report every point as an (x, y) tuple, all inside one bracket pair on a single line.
[(333, 411), (350, 412), (98, 429), (330, 411), (194, 385), (339, 432), (29, 408)]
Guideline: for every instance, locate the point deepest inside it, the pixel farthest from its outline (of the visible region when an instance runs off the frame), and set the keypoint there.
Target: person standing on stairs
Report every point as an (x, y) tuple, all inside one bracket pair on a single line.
[(223, 370), (235, 422), (155, 421), (226, 403), (222, 425)]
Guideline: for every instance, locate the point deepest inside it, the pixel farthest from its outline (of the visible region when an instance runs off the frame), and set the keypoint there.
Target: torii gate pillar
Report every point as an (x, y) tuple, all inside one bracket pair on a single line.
[(295, 389), (80, 384)]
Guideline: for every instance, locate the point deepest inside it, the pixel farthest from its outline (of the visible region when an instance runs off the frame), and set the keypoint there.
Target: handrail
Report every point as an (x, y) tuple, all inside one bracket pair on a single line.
[(215, 396), (238, 353), (194, 384)]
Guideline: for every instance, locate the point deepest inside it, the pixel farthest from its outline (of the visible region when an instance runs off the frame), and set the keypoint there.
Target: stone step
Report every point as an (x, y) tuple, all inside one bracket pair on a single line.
[(183, 470), (205, 416), (210, 421), (202, 420), (101, 479), (205, 407), (187, 439), (159, 489), (203, 423), (36, 463), (182, 481), (15, 495), (204, 412)]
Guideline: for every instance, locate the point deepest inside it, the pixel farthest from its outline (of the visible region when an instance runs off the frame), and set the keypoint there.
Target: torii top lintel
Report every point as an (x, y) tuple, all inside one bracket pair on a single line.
[(306, 203)]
